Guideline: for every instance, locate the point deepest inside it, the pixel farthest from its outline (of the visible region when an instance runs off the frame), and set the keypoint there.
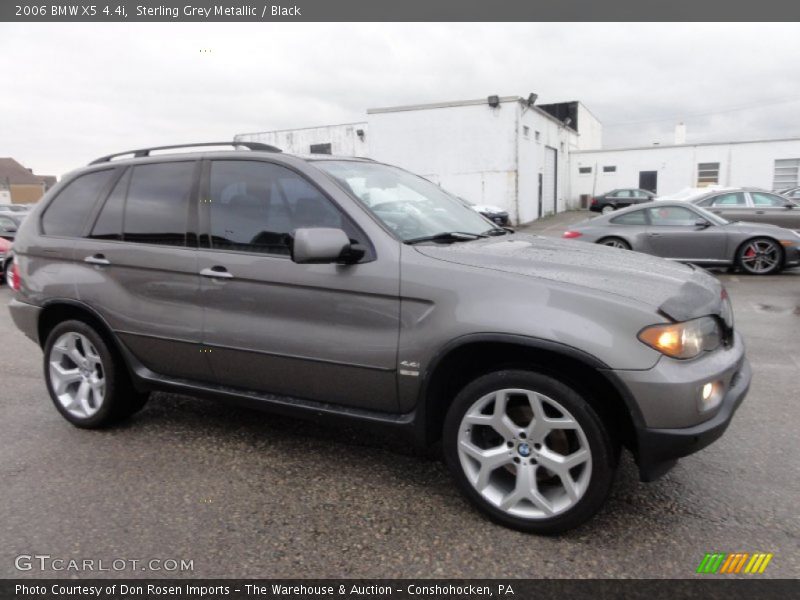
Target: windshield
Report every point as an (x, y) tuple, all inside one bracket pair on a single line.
[(412, 207)]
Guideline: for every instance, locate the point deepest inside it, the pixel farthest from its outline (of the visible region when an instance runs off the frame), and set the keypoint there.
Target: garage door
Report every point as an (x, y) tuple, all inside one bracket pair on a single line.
[(549, 181)]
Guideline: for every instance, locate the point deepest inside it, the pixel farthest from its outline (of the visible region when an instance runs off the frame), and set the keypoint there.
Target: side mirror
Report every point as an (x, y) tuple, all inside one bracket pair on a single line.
[(788, 205), (701, 223), (321, 245)]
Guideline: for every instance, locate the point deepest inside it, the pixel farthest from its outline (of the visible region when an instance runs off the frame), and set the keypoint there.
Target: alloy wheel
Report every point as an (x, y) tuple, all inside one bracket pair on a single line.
[(760, 256), (607, 209), (524, 453), (77, 375), (614, 243)]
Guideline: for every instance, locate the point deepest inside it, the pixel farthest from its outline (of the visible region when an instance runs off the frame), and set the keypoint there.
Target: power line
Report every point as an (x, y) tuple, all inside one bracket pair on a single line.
[(707, 114)]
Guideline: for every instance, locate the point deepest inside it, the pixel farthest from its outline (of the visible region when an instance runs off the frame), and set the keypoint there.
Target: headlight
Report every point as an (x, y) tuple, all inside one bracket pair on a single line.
[(683, 340)]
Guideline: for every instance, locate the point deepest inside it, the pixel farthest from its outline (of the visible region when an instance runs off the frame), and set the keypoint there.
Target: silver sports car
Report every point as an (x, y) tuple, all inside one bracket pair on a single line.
[(687, 233)]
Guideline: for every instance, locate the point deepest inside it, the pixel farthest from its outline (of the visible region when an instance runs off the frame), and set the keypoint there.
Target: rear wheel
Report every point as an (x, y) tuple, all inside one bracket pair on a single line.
[(760, 256), (529, 451), (615, 242), (87, 381), (608, 208)]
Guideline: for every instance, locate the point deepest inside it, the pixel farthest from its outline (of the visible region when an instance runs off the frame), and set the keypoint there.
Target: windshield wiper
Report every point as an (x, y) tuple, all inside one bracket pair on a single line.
[(447, 236)]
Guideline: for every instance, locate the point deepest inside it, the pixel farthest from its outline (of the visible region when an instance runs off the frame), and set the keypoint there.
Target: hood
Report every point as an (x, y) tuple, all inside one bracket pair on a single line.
[(679, 291)]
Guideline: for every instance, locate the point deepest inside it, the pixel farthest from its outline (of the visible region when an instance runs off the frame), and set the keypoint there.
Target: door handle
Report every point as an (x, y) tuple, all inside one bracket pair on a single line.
[(97, 259), (654, 234), (759, 212), (217, 271)]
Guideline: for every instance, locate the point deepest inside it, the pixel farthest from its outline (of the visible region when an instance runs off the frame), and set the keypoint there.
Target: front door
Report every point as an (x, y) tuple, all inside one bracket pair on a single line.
[(648, 180), (318, 332), (774, 209), (673, 233)]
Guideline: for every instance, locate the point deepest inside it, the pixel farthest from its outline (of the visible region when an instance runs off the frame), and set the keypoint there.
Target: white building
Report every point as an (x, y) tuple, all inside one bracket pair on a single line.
[(503, 151), (768, 164), (534, 160)]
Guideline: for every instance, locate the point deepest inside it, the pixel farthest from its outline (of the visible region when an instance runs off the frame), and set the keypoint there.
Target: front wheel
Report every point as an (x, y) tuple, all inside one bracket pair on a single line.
[(529, 451), (761, 256)]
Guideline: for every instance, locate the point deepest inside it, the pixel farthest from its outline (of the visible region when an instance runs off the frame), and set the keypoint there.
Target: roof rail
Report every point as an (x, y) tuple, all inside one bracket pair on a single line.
[(255, 146)]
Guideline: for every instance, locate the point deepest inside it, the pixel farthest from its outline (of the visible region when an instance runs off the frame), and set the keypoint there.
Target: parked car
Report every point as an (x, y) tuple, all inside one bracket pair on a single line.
[(754, 205), (342, 288), (9, 224), (493, 213), (15, 209), (689, 193), (620, 198), (793, 193), (688, 233), (5, 258)]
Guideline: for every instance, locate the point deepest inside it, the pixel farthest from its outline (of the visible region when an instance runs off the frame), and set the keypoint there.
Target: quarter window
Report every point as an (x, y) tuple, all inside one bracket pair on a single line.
[(109, 223), (636, 217), (68, 212), (157, 207), (256, 206)]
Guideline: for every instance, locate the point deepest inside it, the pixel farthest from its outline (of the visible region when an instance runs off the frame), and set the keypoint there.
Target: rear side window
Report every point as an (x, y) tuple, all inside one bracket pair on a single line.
[(256, 206), (636, 217), (67, 213), (157, 206), (760, 199)]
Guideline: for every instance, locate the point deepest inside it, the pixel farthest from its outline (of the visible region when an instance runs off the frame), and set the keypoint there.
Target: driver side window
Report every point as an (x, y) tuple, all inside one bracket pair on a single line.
[(672, 216), (256, 206)]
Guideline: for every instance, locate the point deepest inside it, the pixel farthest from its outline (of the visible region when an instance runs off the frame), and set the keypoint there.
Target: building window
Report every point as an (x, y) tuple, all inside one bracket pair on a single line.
[(320, 149), (562, 146), (585, 170), (707, 174), (526, 131), (786, 173), (537, 136), (611, 169)]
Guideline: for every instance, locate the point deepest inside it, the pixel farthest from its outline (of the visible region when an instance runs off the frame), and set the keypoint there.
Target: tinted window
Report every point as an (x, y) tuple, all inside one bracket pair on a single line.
[(109, 223), (732, 199), (67, 213), (636, 217), (256, 206), (672, 216), (621, 194), (760, 199), (158, 203)]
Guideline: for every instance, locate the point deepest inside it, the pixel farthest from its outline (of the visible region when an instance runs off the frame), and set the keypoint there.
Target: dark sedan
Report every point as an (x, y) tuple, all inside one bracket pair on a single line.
[(687, 233), (753, 205), (620, 198)]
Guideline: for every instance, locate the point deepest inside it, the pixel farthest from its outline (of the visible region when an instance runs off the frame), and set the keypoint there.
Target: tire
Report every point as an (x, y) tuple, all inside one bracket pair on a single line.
[(512, 459), (87, 381), (608, 208), (614, 242), (760, 256)]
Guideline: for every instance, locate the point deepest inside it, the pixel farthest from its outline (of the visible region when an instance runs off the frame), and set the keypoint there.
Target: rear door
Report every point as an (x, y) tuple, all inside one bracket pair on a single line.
[(673, 233), (139, 267), (775, 210), (323, 332)]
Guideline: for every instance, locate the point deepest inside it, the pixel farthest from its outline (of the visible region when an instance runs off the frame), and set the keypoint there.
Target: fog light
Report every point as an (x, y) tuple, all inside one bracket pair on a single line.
[(710, 395)]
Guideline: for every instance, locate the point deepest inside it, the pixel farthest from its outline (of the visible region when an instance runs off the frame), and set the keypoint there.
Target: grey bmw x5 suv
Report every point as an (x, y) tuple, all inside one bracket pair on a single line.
[(341, 288)]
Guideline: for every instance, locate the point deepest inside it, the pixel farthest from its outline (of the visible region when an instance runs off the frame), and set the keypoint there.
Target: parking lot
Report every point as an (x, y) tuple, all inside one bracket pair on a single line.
[(246, 494)]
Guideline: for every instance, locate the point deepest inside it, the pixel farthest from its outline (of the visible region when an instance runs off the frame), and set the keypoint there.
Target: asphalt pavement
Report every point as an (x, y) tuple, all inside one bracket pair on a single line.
[(246, 494)]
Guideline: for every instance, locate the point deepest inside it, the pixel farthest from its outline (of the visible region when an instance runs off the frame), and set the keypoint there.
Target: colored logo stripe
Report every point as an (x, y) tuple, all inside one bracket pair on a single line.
[(723, 563)]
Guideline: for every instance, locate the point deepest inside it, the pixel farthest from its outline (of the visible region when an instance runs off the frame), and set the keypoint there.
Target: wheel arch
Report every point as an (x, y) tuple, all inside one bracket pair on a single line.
[(472, 356), (59, 310)]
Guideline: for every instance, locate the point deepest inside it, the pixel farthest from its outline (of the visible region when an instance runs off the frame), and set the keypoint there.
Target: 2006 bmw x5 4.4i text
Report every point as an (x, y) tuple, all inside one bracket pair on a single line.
[(345, 288)]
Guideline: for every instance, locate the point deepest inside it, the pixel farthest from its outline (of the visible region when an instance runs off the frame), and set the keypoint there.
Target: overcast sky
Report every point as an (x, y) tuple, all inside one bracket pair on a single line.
[(72, 92)]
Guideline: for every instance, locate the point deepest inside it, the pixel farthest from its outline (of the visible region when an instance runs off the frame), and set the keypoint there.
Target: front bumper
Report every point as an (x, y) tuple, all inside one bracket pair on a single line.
[(659, 449), (792, 256), (672, 423)]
